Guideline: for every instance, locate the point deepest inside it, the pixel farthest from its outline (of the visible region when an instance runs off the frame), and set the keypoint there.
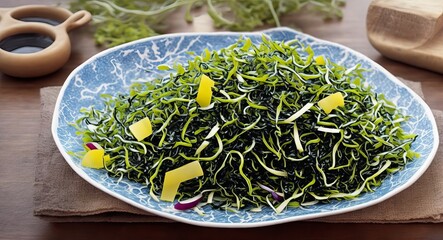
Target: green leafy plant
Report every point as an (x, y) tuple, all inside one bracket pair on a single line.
[(123, 21)]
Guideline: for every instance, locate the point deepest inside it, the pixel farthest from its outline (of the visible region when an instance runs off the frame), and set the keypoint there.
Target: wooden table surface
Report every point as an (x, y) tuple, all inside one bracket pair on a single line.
[(19, 128)]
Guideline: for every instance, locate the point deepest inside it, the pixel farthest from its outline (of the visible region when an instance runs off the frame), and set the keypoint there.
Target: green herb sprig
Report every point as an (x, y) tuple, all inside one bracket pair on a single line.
[(121, 21)]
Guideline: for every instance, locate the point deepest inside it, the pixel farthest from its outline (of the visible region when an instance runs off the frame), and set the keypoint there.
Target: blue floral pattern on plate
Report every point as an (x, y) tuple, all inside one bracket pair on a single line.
[(115, 69)]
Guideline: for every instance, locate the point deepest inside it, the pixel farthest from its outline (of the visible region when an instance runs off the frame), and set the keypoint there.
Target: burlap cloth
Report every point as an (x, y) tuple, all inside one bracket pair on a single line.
[(61, 195)]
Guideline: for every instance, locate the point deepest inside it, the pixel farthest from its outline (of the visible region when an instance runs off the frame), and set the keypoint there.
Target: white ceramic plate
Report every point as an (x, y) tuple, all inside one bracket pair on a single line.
[(113, 71)]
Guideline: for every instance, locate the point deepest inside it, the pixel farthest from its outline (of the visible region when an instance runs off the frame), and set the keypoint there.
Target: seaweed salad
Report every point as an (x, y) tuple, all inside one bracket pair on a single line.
[(248, 126)]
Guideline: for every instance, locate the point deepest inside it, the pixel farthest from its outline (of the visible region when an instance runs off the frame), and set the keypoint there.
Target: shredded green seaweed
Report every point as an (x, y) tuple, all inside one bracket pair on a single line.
[(249, 136), (121, 21)]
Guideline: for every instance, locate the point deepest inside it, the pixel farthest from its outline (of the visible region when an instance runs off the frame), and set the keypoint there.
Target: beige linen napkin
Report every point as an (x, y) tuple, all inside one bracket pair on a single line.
[(61, 195)]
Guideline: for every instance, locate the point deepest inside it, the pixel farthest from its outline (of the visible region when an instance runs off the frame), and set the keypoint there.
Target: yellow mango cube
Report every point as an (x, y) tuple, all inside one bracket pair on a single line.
[(331, 102), (94, 159), (204, 94), (320, 60), (174, 177), (141, 129)]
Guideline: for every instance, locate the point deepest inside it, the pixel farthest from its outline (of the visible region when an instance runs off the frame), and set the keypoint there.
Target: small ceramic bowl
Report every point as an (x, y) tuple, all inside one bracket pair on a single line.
[(34, 39)]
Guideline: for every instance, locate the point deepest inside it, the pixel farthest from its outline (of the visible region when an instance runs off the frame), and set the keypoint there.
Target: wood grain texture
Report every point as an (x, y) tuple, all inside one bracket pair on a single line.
[(19, 128), (408, 31)]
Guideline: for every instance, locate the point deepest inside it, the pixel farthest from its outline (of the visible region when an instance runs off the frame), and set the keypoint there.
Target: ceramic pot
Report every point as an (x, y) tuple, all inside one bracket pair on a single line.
[(34, 39)]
